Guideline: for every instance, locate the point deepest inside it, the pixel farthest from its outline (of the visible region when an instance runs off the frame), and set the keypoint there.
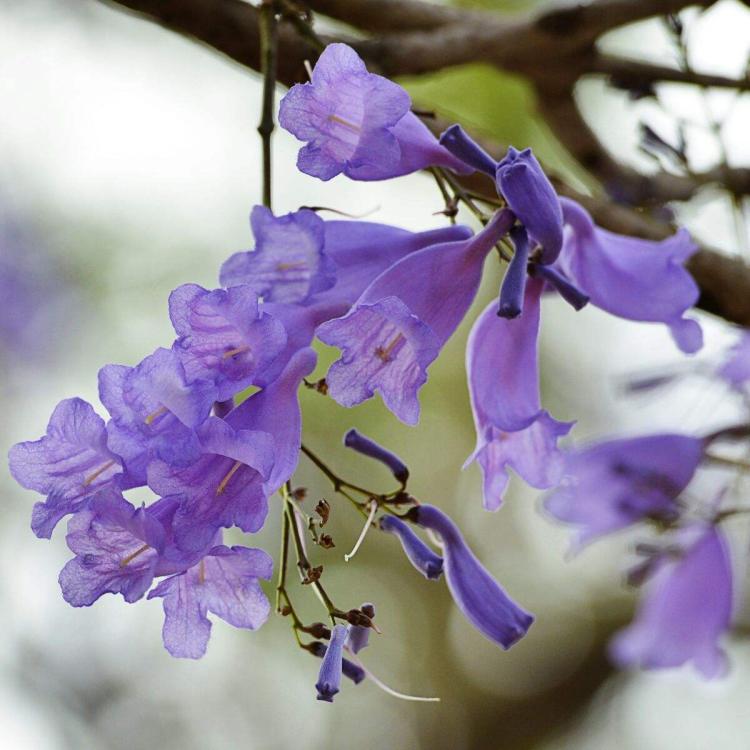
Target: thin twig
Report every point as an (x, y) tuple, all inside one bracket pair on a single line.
[(268, 55)]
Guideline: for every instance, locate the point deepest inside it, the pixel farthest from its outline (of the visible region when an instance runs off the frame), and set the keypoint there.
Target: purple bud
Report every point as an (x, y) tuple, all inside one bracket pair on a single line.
[(329, 677), (478, 595), (460, 144), (514, 283), (367, 447), (531, 197), (349, 669), (359, 637), (427, 562), (568, 291)]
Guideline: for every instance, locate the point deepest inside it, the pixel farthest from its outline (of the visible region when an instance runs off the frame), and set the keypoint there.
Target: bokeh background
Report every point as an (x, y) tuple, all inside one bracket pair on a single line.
[(129, 162)]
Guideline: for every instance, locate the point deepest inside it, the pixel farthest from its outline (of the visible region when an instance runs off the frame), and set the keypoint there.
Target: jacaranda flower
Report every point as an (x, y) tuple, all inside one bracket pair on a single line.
[(427, 562), (478, 595), (630, 277), (735, 369), (358, 123), (154, 411), (223, 336), (686, 609), (225, 583), (614, 484), (69, 464), (329, 677), (117, 550), (397, 327), (289, 263), (512, 428)]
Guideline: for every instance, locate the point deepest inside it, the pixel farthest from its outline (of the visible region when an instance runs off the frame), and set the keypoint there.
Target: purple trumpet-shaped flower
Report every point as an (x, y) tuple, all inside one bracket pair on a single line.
[(686, 609), (512, 428), (358, 123), (611, 485), (275, 410), (359, 636), (329, 677), (224, 487), (69, 464), (531, 197), (349, 669), (735, 369), (478, 595), (398, 326), (360, 250), (117, 550), (154, 412), (367, 447), (289, 263), (223, 336), (225, 583), (427, 562), (630, 277)]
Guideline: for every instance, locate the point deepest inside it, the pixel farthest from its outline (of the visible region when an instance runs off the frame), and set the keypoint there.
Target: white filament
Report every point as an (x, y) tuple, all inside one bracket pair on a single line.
[(365, 529), (386, 689)]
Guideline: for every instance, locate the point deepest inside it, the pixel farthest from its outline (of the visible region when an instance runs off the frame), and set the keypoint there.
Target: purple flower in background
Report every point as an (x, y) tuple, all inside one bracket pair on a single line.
[(478, 595), (154, 410), (531, 197), (614, 484), (427, 562), (630, 277), (289, 263), (329, 677), (512, 428), (225, 583), (117, 549), (357, 123), (275, 410), (69, 464), (223, 337), (398, 326), (735, 369), (686, 609), (223, 488)]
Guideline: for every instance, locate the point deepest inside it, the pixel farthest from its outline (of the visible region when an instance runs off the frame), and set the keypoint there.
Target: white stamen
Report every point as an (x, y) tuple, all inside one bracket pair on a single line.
[(309, 69), (386, 689), (368, 524)]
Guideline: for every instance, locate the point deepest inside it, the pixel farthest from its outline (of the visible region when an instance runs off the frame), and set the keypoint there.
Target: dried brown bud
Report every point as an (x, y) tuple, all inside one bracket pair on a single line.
[(368, 609), (319, 630), (326, 541), (285, 610), (313, 574), (323, 509), (358, 618)]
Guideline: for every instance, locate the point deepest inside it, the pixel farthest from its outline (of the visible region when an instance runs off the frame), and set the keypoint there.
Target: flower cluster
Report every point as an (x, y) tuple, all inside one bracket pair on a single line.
[(212, 424)]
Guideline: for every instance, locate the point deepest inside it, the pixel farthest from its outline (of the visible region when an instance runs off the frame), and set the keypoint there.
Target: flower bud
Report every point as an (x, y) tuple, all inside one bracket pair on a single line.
[(367, 447), (359, 636), (329, 677), (429, 564), (514, 283), (460, 144), (478, 595)]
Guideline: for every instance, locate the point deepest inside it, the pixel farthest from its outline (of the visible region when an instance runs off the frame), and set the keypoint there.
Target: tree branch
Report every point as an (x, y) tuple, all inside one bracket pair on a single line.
[(632, 74)]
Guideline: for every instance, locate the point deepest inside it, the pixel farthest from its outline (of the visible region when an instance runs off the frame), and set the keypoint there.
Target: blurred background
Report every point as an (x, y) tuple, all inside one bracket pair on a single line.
[(129, 162)]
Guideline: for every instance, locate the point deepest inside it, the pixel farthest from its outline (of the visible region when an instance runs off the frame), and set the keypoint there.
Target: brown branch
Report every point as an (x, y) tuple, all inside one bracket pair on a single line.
[(633, 74), (377, 16)]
